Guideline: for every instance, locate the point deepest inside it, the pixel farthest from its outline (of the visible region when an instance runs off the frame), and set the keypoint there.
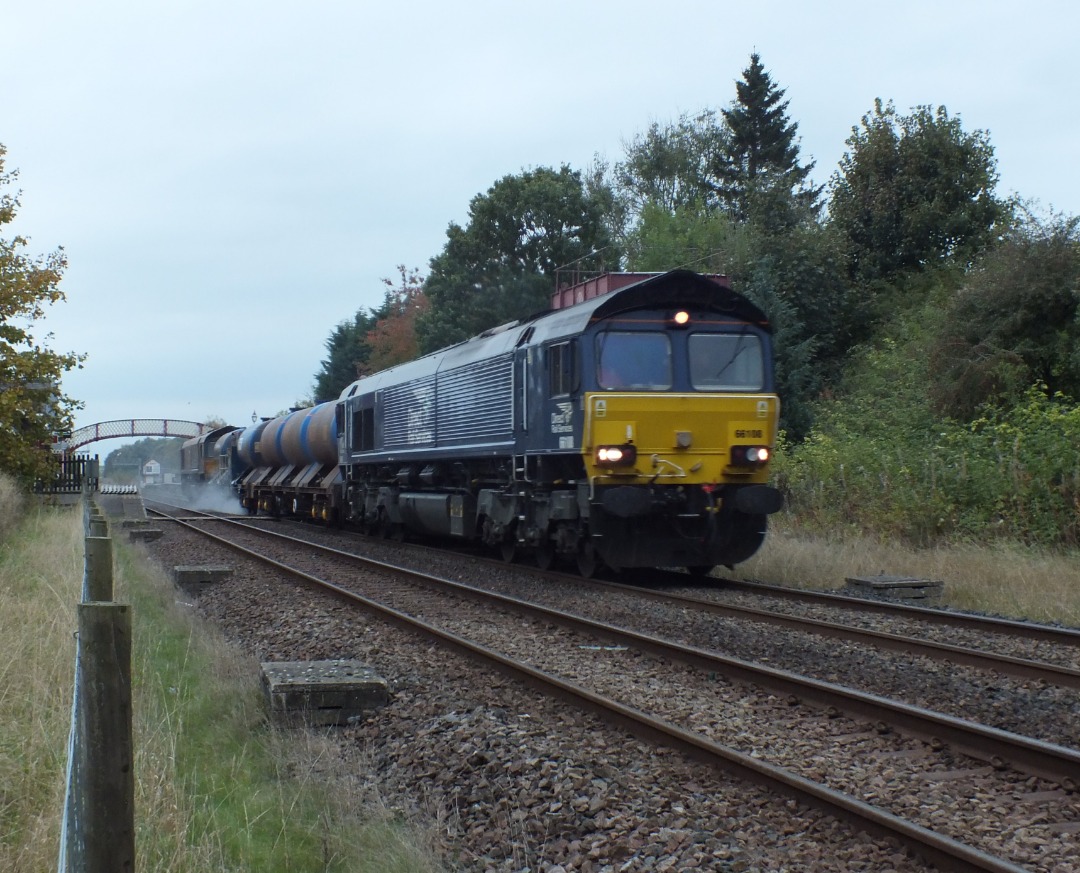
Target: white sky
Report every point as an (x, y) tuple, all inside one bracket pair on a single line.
[(230, 180)]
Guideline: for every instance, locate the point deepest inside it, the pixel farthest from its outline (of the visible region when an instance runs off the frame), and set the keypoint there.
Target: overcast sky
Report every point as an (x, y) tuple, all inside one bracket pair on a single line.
[(230, 180)]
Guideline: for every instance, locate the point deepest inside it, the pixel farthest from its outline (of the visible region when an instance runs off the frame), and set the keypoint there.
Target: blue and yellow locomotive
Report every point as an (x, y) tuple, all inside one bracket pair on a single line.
[(630, 426)]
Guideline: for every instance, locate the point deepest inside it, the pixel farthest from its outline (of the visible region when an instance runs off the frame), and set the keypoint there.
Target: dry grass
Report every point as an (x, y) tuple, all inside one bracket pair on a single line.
[(12, 503), (40, 584), (1008, 580), (217, 788)]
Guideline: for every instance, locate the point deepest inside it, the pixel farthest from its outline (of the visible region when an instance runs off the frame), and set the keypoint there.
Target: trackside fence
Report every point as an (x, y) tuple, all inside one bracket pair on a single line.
[(98, 833)]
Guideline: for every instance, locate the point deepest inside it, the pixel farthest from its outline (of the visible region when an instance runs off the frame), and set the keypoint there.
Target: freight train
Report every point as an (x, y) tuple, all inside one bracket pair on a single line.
[(631, 425)]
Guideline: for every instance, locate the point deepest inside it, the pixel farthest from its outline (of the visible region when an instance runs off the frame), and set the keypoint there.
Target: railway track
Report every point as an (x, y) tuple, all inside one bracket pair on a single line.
[(1060, 636), (437, 607)]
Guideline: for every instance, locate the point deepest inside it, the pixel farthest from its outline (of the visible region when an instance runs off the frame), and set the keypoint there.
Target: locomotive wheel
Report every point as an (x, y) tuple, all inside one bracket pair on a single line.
[(588, 562), (700, 571), (545, 556), (508, 551)]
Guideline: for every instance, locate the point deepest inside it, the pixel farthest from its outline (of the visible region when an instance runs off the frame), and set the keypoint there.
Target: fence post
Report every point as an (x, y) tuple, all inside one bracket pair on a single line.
[(104, 798), (98, 571)]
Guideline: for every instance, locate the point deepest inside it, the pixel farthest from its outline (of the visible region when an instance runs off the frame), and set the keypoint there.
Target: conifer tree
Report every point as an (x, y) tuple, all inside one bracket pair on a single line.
[(762, 152)]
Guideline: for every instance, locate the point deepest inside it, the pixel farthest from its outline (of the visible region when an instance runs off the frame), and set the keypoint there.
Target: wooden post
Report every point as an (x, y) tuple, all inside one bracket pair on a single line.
[(104, 794), (98, 573)]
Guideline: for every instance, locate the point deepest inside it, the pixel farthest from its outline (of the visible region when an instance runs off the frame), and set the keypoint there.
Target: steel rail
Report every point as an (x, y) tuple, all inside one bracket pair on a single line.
[(1000, 748), (1009, 665), (1021, 667), (986, 624), (936, 848), (1027, 630)]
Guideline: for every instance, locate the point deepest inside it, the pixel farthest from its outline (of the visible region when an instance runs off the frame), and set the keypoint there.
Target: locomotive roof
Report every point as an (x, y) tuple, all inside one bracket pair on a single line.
[(690, 290), (683, 288)]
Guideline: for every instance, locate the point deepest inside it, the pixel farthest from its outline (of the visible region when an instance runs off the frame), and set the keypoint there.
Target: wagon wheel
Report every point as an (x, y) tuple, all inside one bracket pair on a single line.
[(700, 571)]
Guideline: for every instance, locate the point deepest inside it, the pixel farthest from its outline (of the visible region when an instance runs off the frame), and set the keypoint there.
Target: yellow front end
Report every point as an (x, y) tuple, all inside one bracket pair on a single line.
[(679, 439)]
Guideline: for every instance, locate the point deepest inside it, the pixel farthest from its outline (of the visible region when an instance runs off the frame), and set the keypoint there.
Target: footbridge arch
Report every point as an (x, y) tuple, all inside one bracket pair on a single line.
[(130, 427)]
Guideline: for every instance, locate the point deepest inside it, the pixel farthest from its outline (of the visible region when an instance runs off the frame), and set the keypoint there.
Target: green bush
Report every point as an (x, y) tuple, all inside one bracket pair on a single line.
[(1013, 474)]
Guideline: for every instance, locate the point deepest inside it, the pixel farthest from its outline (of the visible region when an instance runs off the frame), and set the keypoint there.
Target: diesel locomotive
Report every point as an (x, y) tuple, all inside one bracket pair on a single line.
[(631, 425)]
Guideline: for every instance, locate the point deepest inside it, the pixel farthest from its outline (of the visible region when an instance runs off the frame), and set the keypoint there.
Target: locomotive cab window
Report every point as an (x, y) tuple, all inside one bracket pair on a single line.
[(561, 368), (726, 362), (633, 361)]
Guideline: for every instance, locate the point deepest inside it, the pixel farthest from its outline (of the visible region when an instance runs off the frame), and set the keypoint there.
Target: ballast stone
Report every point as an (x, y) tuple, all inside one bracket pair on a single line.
[(322, 692)]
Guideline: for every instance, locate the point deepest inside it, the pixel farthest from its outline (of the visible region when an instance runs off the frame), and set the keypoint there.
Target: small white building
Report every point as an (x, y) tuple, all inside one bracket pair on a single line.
[(151, 473)]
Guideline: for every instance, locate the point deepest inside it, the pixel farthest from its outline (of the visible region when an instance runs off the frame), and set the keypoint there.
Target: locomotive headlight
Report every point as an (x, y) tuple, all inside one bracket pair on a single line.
[(681, 318), (750, 456), (616, 456)]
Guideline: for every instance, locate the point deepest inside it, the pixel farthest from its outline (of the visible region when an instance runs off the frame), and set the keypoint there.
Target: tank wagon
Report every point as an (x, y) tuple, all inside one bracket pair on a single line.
[(289, 464), (632, 428)]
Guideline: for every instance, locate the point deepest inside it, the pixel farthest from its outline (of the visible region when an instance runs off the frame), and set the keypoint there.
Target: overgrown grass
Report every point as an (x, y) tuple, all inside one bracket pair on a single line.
[(12, 502), (40, 584), (217, 787), (1024, 582)]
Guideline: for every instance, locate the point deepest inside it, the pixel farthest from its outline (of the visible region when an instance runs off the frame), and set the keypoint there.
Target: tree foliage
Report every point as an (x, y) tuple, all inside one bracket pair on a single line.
[(393, 338), (761, 151), (124, 465), (348, 353), (32, 406), (375, 338), (744, 161), (668, 167), (1015, 322), (914, 191), (501, 265)]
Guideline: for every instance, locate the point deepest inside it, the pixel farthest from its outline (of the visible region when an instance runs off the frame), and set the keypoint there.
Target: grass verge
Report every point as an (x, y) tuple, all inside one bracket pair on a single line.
[(1010, 580), (217, 786)]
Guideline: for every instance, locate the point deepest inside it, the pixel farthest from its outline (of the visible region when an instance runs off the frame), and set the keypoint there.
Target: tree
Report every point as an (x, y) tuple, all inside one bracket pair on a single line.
[(124, 465), (668, 167), (914, 191), (1015, 322), (761, 151), (501, 266), (32, 406), (393, 338), (375, 338), (348, 355)]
